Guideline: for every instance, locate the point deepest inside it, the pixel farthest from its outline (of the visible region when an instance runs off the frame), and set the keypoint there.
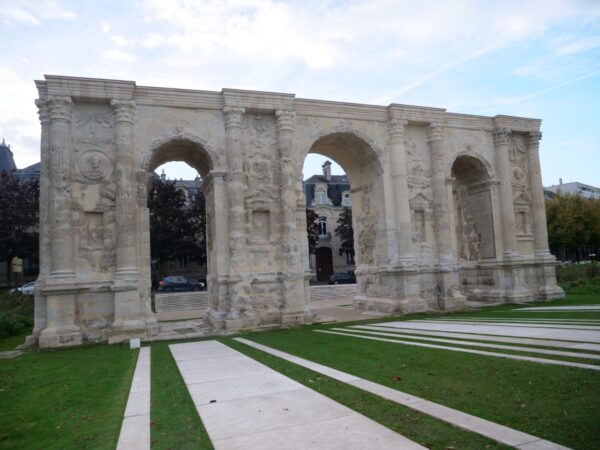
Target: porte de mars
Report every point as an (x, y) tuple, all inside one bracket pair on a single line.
[(446, 207)]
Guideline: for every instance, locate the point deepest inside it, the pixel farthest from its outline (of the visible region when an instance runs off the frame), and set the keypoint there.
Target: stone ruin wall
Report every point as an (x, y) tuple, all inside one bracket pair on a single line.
[(446, 206)]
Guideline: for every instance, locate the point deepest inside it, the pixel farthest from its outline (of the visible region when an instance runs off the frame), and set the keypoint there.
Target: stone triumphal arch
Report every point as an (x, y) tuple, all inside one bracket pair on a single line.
[(446, 207)]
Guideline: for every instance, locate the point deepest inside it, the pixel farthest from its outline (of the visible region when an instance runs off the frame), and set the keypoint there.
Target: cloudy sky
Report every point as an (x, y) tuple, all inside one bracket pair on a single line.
[(527, 58)]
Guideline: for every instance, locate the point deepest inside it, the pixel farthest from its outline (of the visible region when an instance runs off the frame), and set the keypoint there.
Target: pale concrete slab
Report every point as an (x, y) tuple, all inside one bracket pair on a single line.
[(497, 330), (476, 344), (517, 324), (343, 433), (561, 308), (235, 369), (554, 362), (270, 411), (499, 433), (485, 337), (135, 433), (135, 429)]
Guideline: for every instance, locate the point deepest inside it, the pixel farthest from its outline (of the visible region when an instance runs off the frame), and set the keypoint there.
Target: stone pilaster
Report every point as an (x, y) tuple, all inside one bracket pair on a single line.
[(240, 314), (40, 312), (538, 207), (507, 212), (128, 322), (547, 287), (514, 273), (61, 329), (447, 292), (293, 278), (61, 234)]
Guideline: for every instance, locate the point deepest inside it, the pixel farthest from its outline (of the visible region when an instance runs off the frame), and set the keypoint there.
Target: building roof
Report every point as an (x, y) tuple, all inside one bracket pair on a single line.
[(7, 162)]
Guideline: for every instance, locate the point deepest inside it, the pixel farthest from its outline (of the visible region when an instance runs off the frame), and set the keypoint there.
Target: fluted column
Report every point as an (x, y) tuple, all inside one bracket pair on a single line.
[(509, 238), (126, 201), (289, 247), (40, 315), (443, 237), (61, 233), (236, 188), (538, 207), (396, 127)]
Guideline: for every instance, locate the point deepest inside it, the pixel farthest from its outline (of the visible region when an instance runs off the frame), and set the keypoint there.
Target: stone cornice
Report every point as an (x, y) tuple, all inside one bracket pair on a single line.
[(94, 88)]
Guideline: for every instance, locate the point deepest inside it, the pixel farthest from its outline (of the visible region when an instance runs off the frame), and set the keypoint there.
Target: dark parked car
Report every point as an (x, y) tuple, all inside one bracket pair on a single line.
[(342, 278), (170, 284)]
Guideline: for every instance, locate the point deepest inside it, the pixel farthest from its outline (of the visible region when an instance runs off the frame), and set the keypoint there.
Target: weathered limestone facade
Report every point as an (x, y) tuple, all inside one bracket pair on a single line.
[(446, 207)]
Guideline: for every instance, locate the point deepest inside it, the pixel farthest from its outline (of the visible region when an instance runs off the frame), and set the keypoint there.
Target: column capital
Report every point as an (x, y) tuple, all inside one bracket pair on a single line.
[(285, 119), (396, 124), (501, 136), (43, 107), (435, 132), (60, 107), (534, 138), (124, 109), (233, 116)]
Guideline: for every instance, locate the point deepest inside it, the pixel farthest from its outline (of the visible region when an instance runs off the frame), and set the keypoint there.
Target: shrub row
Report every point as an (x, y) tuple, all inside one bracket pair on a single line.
[(16, 314), (579, 278)]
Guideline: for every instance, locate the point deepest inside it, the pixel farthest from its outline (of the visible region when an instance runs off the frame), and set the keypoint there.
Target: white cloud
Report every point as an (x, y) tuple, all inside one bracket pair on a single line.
[(119, 55), (34, 13)]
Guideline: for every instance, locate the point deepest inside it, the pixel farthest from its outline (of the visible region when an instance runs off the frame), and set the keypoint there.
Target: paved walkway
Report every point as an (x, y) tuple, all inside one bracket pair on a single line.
[(561, 308), (244, 404), (499, 433), (135, 430)]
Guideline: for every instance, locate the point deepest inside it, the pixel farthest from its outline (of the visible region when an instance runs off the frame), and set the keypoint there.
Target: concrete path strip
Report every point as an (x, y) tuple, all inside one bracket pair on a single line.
[(486, 337), (135, 430), (499, 433), (473, 344), (561, 308), (499, 330), (515, 324), (554, 362), (245, 405)]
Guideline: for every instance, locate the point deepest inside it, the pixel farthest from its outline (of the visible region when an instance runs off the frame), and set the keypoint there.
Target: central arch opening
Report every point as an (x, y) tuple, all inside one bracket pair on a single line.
[(179, 237), (350, 202)]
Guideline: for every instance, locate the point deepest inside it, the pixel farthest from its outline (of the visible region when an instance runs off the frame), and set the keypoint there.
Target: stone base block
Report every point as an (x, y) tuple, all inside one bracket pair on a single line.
[(518, 295), (389, 305), (291, 319), (455, 300), (52, 338), (550, 293), (125, 330)]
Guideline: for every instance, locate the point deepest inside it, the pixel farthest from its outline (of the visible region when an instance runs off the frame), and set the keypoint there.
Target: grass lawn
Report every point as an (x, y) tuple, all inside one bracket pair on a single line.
[(68, 399), (175, 421), (561, 404), (10, 343)]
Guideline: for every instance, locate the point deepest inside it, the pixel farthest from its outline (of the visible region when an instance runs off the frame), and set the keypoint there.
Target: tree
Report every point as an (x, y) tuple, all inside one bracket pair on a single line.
[(573, 226), (19, 210), (345, 232), (312, 230), (175, 229)]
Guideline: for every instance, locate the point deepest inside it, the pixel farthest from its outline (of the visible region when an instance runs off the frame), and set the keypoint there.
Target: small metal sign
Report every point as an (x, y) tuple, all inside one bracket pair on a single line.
[(17, 265)]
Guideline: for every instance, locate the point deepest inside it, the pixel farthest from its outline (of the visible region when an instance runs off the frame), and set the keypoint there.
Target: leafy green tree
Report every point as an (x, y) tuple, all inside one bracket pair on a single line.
[(312, 230), (346, 234), (19, 213), (573, 226)]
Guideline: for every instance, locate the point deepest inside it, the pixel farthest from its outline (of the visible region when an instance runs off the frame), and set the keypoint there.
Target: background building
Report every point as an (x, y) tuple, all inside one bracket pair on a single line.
[(327, 195), (574, 188)]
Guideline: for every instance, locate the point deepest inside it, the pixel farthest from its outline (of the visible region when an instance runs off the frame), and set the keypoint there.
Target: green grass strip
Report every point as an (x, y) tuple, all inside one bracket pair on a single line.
[(68, 399), (175, 423), (560, 404), (419, 427)]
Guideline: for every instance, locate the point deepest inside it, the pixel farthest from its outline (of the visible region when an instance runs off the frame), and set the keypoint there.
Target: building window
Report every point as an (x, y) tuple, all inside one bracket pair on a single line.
[(322, 226), (321, 198)]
